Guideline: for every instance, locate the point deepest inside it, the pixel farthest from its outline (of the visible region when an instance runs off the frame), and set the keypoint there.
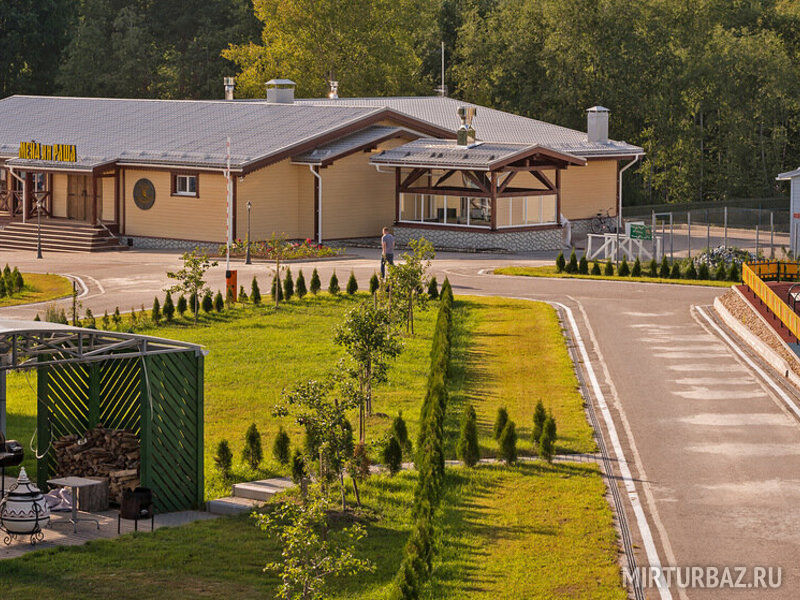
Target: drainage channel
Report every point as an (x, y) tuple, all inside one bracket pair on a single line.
[(619, 507)]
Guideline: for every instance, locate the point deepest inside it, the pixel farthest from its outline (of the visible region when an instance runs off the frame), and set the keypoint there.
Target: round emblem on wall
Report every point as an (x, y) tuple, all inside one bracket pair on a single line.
[(144, 194)]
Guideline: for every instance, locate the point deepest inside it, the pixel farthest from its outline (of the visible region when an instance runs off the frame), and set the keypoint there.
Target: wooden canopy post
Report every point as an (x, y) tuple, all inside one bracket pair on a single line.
[(493, 199), (94, 199)]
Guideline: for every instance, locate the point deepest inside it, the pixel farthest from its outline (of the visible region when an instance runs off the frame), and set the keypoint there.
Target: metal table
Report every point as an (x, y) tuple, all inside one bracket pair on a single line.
[(74, 483)]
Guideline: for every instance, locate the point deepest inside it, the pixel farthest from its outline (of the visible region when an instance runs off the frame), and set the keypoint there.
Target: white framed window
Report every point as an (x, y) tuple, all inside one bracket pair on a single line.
[(184, 185)]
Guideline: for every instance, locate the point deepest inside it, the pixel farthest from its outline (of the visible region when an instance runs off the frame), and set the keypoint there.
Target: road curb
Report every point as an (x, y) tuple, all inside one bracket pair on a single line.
[(771, 357)]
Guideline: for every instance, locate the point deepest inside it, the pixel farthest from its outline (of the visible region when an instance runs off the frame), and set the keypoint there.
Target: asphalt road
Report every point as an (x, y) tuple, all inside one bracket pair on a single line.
[(713, 452)]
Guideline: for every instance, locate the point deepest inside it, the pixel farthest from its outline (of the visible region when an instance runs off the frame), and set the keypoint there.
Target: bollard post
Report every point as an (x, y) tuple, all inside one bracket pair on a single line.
[(725, 243), (653, 231), (708, 240), (671, 239), (689, 225)]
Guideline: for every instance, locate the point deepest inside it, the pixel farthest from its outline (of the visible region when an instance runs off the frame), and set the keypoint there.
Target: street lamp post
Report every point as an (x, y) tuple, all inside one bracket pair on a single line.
[(38, 228), (247, 260)]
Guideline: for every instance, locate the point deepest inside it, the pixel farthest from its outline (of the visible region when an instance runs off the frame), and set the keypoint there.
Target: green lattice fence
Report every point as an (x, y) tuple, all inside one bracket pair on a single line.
[(168, 421)]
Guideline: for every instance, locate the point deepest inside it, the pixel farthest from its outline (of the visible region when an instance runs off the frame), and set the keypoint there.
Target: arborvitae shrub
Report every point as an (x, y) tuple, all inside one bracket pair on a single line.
[(300, 287), (374, 283), (508, 443), (37, 317), (675, 273), (733, 273), (208, 302), (90, 322), (117, 318), (702, 272), (155, 314), (277, 288), (298, 466), (3, 287), (468, 449), (583, 266), (255, 292), (252, 453), (352, 284), (433, 289), (242, 294), (333, 285), (400, 432), (280, 448), (392, 455), (223, 458), (182, 306), (193, 305), (624, 269), (288, 285), (546, 446), (652, 268), (560, 262), (19, 282), (169, 308), (500, 422), (608, 271), (691, 271), (572, 265), (106, 321), (550, 426), (315, 282), (637, 268), (720, 273), (596, 268), (229, 297), (539, 417), (219, 303), (664, 270)]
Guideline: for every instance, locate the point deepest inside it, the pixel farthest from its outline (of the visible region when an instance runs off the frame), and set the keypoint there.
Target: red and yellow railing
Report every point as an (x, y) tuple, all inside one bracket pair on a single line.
[(753, 276)]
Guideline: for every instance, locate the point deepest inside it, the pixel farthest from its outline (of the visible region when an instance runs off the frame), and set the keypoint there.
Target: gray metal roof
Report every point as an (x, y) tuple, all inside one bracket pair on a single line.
[(789, 175), (446, 154), (347, 145), (490, 124), (85, 165), (179, 132)]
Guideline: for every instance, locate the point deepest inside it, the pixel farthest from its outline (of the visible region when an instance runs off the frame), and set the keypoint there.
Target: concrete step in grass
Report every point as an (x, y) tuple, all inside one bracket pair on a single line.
[(262, 490), (231, 505)]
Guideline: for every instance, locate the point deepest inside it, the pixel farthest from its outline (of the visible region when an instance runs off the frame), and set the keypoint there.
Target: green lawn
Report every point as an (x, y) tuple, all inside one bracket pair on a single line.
[(39, 287), (530, 531), (550, 271)]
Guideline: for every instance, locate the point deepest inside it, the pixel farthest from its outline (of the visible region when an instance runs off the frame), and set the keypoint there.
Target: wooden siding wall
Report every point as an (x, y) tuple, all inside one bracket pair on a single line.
[(107, 204), (178, 217), (590, 189), (60, 194)]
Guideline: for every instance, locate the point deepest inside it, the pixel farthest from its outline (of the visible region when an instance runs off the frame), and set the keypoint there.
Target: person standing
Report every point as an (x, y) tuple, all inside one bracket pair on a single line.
[(387, 250)]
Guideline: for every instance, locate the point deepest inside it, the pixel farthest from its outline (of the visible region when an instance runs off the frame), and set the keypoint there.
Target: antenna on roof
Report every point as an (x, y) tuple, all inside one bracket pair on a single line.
[(333, 86), (442, 89)]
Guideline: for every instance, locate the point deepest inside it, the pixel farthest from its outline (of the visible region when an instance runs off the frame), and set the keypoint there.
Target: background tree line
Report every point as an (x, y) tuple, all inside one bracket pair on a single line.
[(709, 88)]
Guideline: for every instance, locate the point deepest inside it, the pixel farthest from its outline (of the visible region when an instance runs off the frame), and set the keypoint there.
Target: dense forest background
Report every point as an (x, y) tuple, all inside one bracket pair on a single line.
[(710, 88)]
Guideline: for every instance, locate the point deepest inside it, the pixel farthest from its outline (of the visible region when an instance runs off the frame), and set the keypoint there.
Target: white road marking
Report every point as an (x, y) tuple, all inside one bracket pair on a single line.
[(704, 393), (774, 386), (714, 381), (739, 450), (80, 282), (647, 315), (688, 355), (630, 487), (739, 419), (728, 368)]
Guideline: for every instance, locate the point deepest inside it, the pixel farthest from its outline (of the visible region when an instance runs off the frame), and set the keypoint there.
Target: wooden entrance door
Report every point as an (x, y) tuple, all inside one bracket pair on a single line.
[(79, 197)]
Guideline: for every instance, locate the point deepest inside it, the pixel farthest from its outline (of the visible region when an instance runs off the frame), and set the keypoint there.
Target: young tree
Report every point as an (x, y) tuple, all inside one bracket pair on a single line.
[(312, 552), (352, 284), (468, 449), (280, 449), (358, 467), (316, 285), (255, 292), (500, 422), (433, 289), (572, 265), (637, 268), (608, 270), (675, 273), (242, 294), (106, 321), (279, 247), (561, 263), (720, 273), (298, 466), (90, 321), (733, 273), (546, 445), (277, 290), (288, 285), (301, 285), (624, 269), (596, 268), (19, 282), (400, 432), (252, 453), (116, 317), (691, 271), (169, 308), (208, 302), (664, 270), (409, 278), (652, 268), (155, 314), (583, 265), (370, 342), (219, 303), (374, 284), (191, 277), (223, 458), (333, 285), (508, 443), (539, 417), (392, 455), (702, 272)]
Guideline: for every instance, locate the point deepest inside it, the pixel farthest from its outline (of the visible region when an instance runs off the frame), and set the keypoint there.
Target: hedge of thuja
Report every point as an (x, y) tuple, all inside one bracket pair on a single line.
[(415, 566)]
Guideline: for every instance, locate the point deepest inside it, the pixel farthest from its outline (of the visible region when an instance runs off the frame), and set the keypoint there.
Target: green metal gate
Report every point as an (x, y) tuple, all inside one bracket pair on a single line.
[(158, 396)]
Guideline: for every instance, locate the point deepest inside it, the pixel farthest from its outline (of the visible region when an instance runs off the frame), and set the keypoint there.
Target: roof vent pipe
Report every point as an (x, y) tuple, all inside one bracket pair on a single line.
[(333, 94), (466, 133), (280, 91), (597, 124), (229, 84)]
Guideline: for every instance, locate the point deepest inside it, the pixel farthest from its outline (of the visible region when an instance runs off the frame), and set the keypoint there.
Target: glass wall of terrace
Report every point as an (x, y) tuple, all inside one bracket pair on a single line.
[(484, 186)]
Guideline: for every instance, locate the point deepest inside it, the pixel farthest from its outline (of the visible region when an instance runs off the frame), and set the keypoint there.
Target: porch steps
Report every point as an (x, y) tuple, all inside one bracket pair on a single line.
[(248, 496), (59, 236), (231, 505)]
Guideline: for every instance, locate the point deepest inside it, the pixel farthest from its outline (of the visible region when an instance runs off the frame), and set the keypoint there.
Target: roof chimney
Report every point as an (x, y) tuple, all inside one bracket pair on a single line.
[(597, 124), (280, 91), (466, 133), (333, 94), (229, 84)]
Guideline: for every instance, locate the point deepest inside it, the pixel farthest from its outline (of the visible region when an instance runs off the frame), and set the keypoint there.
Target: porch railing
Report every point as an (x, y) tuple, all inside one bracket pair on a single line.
[(754, 275)]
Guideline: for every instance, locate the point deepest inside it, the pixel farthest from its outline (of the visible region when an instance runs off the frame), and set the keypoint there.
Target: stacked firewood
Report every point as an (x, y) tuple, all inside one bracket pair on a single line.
[(110, 453)]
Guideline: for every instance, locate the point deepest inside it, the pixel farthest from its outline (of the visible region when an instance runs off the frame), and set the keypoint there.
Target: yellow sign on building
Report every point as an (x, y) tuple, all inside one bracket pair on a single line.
[(53, 152)]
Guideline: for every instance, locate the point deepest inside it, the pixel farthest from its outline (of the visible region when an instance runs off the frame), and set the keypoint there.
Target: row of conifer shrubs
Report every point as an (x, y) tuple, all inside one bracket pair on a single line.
[(415, 567), (663, 270)]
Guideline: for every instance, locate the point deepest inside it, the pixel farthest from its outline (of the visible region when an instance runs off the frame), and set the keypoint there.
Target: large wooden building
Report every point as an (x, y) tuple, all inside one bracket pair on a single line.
[(153, 171)]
